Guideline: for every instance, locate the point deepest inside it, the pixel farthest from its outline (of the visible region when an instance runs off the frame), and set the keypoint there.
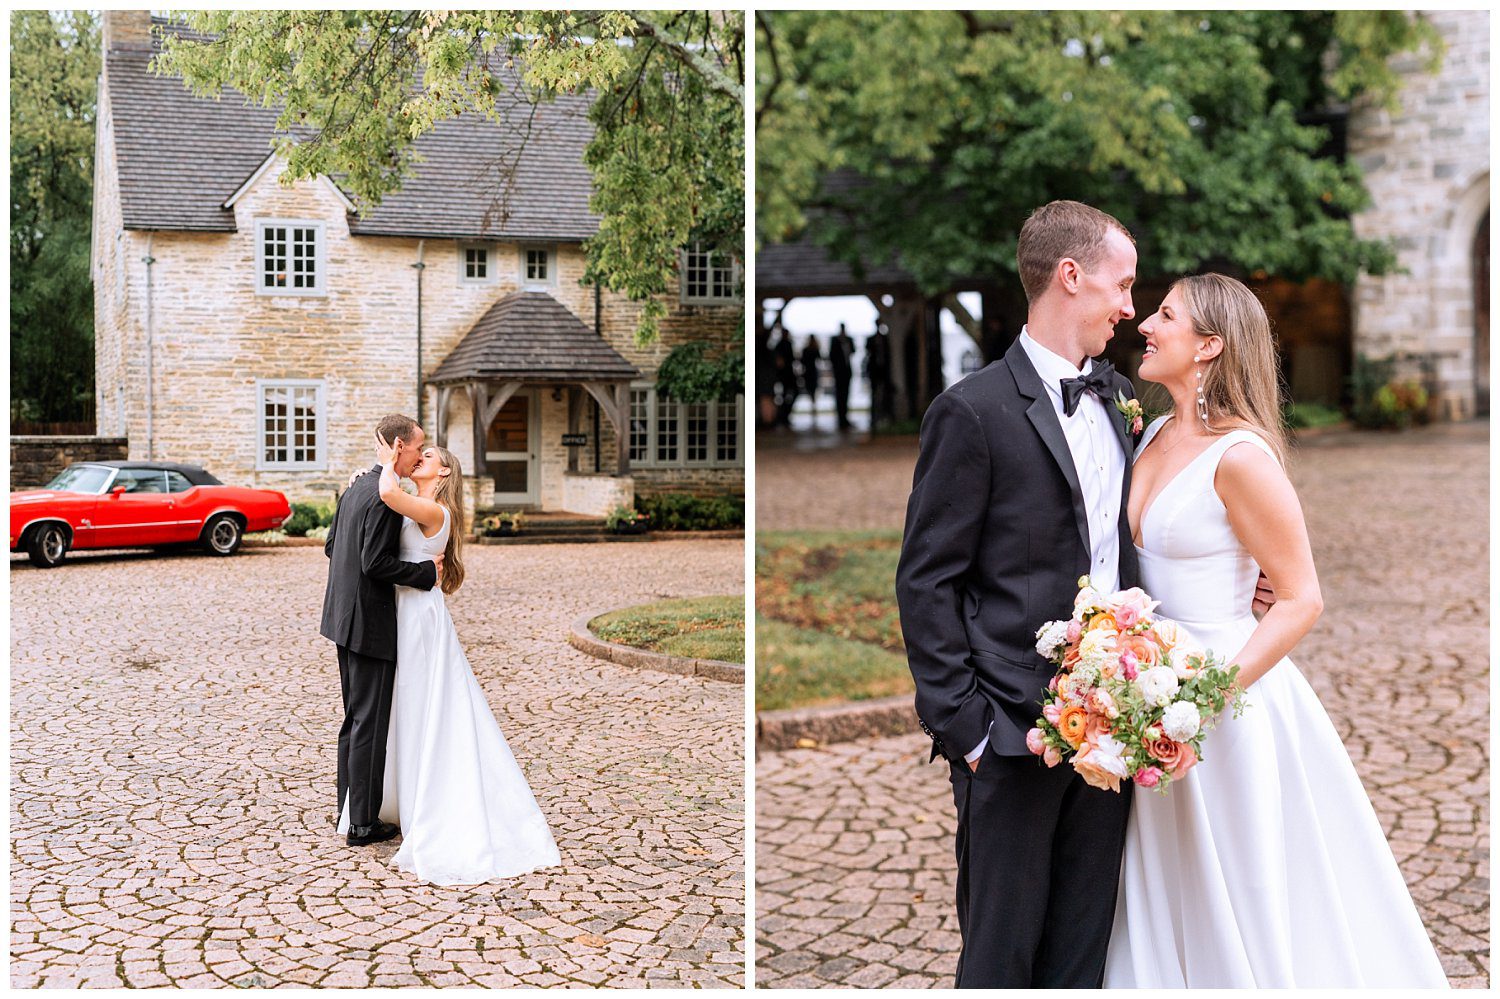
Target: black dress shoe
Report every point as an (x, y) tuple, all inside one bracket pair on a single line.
[(378, 833)]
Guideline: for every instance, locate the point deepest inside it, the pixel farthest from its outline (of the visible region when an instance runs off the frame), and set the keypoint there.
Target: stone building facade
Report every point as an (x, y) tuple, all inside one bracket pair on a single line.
[(1426, 165), (261, 330)]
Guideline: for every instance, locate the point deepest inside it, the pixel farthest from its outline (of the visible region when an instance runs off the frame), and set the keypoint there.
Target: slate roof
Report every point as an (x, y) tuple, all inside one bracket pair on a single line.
[(803, 268), (531, 335), (180, 158)]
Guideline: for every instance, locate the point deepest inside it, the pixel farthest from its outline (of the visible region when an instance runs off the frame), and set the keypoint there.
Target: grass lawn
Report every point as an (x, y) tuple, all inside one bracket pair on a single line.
[(695, 628), (828, 629)]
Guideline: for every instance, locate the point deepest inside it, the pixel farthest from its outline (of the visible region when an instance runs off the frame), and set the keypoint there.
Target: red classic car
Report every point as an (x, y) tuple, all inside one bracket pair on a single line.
[(135, 504)]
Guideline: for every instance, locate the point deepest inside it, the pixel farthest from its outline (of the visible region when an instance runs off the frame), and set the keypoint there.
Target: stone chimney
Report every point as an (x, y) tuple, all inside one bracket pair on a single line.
[(128, 30)]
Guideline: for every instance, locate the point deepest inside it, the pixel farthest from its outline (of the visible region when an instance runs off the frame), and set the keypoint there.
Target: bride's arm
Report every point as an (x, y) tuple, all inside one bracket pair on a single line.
[(424, 511), (1267, 518)]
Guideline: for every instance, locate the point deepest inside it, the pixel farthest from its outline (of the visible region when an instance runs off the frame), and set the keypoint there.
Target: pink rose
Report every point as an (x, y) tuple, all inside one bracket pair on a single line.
[(1128, 668), (1135, 425), (1177, 758), (1075, 632), (1052, 756), (1127, 617), (1101, 702), (1034, 741), (1149, 777), (1051, 712), (1098, 724)]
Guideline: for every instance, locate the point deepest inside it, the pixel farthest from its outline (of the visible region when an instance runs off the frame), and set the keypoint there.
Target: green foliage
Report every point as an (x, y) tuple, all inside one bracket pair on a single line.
[(54, 67), (668, 152), (802, 667), (307, 518), (626, 520), (1306, 415), (1188, 126), (1383, 401), (697, 372), (686, 512)]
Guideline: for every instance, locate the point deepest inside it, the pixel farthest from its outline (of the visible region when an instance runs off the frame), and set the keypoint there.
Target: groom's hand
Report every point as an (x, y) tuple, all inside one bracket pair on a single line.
[(1265, 597), (438, 563)]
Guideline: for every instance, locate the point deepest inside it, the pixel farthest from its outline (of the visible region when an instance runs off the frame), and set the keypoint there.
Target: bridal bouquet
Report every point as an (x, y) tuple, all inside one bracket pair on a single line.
[(1133, 696)]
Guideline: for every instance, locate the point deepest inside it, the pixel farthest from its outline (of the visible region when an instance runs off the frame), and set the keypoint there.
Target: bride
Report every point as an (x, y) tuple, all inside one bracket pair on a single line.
[(465, 810), (1266, 865)]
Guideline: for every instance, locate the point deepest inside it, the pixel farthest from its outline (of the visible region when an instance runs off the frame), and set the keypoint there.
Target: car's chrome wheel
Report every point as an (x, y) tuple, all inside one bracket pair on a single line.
[(223, 535), (48, 545)]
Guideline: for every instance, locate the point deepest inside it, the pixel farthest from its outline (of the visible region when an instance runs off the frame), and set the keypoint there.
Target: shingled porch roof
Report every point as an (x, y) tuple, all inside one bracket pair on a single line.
[(531, 336)]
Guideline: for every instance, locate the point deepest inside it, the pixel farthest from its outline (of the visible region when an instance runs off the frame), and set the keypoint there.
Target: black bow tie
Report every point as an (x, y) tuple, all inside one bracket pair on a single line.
[(1098, 381)]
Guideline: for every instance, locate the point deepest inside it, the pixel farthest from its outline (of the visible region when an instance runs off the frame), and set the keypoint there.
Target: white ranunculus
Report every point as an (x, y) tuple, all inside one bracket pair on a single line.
[(1157, 685), (1181, 721), (1050, 638)]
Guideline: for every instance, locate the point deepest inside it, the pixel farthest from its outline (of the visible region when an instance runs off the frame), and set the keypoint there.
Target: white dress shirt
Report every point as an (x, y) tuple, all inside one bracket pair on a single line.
[(1099, 460)]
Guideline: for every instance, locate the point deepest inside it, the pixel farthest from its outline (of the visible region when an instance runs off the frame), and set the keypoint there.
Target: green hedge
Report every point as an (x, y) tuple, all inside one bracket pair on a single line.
[(685, 512), (306, 517)]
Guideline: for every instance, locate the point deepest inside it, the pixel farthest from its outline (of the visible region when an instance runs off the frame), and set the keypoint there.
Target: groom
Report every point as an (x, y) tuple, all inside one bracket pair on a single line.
[(1020, 489), (359, 616)]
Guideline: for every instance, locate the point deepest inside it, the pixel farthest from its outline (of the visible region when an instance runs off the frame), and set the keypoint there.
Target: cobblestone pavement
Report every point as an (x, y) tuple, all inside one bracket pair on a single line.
[(854, 848), (174, 722)]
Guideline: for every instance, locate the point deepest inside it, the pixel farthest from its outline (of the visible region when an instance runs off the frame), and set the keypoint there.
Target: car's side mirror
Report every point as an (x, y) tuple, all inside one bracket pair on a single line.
[(117, 492)]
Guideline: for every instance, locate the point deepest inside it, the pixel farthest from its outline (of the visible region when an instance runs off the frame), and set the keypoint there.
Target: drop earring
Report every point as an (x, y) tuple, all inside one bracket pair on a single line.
[(1202, 404)]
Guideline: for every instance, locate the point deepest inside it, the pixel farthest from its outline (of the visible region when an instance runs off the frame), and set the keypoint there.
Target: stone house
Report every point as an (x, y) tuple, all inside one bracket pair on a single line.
[(261, 330), (1427, 167)]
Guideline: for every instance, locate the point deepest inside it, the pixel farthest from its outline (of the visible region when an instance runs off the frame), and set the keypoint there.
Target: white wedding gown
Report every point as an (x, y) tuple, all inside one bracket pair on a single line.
[(465, 810), (1266, 865)]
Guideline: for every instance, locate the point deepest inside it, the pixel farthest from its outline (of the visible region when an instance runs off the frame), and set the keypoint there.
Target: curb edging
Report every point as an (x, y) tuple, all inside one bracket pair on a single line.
[(775, 730), (584, 640)]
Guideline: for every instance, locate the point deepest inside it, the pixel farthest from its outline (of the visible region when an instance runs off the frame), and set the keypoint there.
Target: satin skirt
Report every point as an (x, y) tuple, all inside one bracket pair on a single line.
[(1266, 866), (466, 812)]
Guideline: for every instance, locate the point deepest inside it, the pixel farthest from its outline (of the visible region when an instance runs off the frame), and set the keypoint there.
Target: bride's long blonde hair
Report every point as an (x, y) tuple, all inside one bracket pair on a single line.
[(1242, 385), (450, 493)]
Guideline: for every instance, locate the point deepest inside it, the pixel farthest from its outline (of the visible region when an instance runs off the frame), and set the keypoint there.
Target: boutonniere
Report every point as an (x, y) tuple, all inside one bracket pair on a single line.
[(1135, 417)]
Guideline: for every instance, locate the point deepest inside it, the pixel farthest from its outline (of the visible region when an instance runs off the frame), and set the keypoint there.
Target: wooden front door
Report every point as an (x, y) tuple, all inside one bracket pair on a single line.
[(510, 451)]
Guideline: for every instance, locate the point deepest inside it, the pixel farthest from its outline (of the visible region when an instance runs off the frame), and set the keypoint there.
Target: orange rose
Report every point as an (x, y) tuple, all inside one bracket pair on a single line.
[(1147, 653), (1176, 758), (1103, 621), (1073, 725)]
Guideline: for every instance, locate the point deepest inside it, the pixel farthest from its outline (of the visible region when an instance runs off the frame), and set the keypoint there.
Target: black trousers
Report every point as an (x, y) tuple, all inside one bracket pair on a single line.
[(1038, 869), (368, 685)]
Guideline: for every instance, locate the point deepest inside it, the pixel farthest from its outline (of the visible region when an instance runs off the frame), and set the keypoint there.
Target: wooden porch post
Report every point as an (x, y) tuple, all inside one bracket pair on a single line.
[(622, 427), (477, 405), (443, 394), (575, 416)]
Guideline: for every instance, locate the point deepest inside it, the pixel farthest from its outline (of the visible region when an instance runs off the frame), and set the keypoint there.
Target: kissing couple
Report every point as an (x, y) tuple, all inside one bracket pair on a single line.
[(1265, 864), (452, 790)]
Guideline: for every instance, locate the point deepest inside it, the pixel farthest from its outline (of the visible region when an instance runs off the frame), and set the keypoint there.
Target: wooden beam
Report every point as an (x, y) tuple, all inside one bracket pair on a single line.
[(622, 427), (477, 406), (575, 418), (444, 392), (507, 389), (602, 393)]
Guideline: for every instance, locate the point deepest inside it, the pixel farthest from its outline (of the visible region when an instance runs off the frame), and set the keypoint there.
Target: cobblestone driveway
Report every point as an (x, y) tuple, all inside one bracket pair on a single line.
[(172, 782), (854, 848)]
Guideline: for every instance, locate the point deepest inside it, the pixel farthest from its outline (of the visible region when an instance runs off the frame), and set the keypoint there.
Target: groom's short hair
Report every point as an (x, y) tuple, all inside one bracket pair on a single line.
[(1061, 229), (396, 425)]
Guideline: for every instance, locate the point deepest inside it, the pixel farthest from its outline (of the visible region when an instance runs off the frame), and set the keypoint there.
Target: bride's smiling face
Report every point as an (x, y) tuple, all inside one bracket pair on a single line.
[(1171, 341)]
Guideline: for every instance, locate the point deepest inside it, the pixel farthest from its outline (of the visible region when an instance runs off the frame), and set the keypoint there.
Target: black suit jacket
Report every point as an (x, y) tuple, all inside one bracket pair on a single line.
[(363, 548), (996, 538)]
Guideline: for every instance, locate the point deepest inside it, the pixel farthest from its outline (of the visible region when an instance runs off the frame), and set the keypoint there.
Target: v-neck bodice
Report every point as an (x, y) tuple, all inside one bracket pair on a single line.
[(1190, 558)]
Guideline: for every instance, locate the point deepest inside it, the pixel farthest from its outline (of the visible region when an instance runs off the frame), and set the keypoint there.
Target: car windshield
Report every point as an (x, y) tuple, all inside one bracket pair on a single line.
[(81, 479)]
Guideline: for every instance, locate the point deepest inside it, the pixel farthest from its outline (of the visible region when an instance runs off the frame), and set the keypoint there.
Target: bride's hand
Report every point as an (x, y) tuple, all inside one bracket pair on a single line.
[(384, 453)]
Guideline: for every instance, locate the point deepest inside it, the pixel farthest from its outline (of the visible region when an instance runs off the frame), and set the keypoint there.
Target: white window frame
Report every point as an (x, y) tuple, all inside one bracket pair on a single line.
[(522, 265), (320, 257), (490, 277), (682, 274), (681, 461), (320, 426)]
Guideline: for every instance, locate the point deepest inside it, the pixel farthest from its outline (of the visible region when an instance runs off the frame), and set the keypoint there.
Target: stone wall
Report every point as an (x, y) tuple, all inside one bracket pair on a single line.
[(1426, 165), (596, 495), (214, 338), (35, 460)]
